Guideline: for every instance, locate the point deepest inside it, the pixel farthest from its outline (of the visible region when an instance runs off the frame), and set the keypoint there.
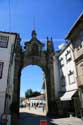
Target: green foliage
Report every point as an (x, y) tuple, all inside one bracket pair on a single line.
[(29, 93)]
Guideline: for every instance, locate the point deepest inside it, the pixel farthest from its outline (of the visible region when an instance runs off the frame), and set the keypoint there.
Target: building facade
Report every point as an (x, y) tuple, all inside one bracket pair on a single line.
[(68, 79), (7, 44), (67, 68), (75, 35)]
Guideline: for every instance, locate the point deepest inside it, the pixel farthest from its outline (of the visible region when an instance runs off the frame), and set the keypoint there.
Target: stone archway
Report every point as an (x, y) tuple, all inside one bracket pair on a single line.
[(35, 55)]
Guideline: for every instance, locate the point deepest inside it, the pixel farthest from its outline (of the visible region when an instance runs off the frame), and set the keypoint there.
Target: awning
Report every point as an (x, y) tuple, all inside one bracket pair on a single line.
[(68, 95)]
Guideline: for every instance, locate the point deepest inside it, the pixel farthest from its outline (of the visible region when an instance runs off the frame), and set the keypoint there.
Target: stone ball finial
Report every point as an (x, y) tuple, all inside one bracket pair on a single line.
[(47, 38), (34, 34), (51, 39)]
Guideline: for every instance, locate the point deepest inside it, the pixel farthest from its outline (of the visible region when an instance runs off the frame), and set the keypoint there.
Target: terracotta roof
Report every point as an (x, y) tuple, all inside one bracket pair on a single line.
[(40, 97)]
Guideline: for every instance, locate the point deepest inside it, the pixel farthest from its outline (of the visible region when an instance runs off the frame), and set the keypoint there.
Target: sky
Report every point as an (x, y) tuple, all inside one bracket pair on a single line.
[(31, 77), (52, 18)]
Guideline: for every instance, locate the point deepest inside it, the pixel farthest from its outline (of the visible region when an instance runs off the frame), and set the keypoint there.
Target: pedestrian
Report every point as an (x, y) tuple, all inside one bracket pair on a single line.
[(29, 106), (35, 105), (43, 108)]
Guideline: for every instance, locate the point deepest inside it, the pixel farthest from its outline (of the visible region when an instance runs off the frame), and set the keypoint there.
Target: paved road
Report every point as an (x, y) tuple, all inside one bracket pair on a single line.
[(67, 121), (32, 110), (32, 117)]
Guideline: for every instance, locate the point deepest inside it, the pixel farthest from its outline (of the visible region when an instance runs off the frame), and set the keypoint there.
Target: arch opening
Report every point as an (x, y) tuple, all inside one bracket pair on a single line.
[(33, 91)]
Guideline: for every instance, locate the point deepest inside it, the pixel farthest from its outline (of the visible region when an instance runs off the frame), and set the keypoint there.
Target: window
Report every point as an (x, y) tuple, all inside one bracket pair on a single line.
[(79, 44), (1, 69), (4, 41), (61, 62), (81, 35), (35, 49), (63, 80), (71, 77), (68, 56), (81, 67)]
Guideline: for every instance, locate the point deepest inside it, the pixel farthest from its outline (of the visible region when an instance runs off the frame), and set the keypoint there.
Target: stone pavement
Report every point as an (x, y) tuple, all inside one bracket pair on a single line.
[(30, 119), (32, 110), (67, 121), (33, 116)]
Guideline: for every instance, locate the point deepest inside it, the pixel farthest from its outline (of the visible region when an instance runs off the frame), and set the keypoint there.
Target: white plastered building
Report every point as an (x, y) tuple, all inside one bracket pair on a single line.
[(7, 45), (68, 75)]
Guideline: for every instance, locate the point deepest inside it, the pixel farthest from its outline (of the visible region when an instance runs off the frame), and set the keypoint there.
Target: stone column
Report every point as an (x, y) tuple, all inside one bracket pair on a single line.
[(17, 74), (52, 106)]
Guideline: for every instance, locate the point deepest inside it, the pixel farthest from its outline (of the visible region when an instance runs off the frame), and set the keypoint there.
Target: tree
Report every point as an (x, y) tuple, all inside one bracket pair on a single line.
[(29, 93), (36, 93)]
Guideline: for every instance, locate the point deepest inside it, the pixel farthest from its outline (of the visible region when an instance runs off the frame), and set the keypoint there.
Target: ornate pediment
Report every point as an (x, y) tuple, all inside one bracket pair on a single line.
[(34, 46)]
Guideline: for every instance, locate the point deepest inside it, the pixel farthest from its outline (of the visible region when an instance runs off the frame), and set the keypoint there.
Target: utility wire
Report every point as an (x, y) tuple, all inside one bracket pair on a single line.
[(9, 15)]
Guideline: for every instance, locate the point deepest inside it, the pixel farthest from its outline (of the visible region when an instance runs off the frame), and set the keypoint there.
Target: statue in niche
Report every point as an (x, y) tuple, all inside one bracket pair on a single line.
[(35, 49)]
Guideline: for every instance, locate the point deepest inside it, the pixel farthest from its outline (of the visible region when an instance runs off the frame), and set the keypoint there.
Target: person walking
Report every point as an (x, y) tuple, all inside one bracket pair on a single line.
[(43, 107)]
